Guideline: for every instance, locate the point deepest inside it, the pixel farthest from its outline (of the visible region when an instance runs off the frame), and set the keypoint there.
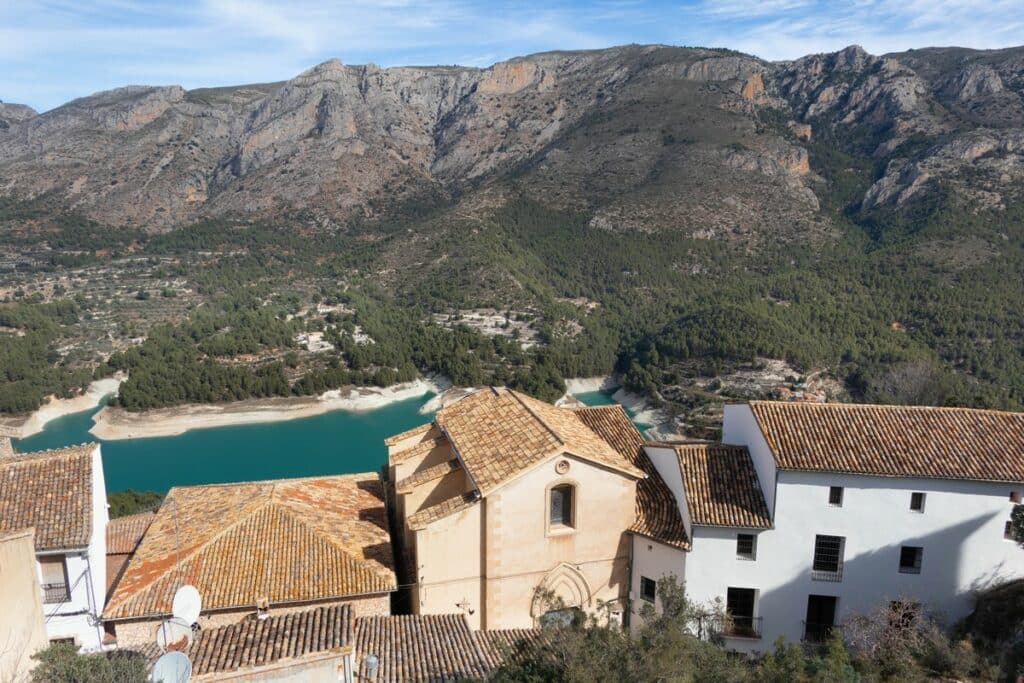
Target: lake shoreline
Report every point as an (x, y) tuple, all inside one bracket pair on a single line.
[(112, 424), (35, 422)]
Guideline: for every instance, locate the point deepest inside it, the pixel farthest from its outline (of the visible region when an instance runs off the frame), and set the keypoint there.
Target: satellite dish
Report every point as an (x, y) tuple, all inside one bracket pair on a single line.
[(173, 635), (187, 604), (172, 667)]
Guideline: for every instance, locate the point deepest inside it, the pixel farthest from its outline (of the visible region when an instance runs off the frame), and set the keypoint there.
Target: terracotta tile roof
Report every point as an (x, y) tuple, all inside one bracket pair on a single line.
[(721, 486), (500, 433), (51, 491), (657, 511), (408, 434), (125, 533), (427, 474), (254, 643), (422, 448), (293, 540), (429, 515), (501, 644), (434, 647), (894, 441)]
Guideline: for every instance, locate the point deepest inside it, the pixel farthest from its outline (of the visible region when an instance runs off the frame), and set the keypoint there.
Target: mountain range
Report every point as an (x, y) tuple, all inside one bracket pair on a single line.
[(710, 142), (678, 215)]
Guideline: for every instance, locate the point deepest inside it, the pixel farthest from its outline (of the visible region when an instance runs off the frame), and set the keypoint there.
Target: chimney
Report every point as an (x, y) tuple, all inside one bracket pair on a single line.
[(6, 447)]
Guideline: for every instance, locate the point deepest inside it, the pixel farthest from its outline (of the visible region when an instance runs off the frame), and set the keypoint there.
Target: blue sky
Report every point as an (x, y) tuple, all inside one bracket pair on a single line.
[(52, 51)]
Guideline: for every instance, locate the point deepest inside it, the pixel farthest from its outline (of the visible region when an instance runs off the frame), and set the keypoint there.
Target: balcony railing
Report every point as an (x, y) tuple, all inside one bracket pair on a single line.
[(55, 593), (823, 575), (736, 627), (817, 632)]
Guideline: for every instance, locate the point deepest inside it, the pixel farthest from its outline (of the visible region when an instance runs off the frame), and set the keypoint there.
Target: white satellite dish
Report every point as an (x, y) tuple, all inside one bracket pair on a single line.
[(187, 604), (172, 667), (174, 635)]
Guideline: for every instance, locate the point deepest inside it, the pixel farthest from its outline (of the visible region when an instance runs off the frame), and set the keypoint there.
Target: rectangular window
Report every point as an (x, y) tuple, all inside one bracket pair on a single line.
[(561, 506), (746, 546), (54, 579), (648, 589), (1015, 497), (1008, 532), (910, 559), (835, 496), (917, 501), (739, 603), (821, 617), (828, 558)]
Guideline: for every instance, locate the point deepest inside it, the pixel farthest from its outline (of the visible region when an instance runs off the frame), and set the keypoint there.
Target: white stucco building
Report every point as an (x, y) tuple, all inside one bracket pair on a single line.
[(61, 495), (811, 513)]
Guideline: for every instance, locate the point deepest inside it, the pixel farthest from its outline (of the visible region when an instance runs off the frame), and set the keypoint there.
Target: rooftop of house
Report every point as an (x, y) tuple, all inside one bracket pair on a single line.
[(721, 486), (50, 491), (241, 543), (125, 533), (434, 647), (410, 648), (657, 512), (252, 643), (499, 434), (894, 441)]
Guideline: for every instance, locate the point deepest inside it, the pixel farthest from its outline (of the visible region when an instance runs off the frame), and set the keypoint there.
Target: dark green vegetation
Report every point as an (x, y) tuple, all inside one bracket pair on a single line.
[(130, 502), (61, 663), (878, 647), (898, 315)]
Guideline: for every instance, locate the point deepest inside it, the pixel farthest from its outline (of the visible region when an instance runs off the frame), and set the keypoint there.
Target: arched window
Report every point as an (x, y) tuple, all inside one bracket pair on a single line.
[(561, 513)]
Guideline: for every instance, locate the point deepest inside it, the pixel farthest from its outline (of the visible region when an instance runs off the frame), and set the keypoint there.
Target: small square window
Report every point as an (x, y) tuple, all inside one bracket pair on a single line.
[(917, 501), (1015, 497), (746, 546), (910, 559), (835, 496), (648, 589)]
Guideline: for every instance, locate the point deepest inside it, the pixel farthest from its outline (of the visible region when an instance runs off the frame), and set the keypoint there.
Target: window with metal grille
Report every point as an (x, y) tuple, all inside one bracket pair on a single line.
[(835, 496), (910, 559), (828, 558), (917, 501), (561, 505), (648, 589), (746, 546), (54, 579)]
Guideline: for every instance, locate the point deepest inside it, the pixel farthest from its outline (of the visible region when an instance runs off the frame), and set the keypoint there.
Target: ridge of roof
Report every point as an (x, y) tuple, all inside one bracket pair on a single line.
[(17, 457)]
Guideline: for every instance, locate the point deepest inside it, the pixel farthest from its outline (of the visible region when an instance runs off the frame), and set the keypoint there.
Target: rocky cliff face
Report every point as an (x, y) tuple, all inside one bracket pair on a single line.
[(644, 137)]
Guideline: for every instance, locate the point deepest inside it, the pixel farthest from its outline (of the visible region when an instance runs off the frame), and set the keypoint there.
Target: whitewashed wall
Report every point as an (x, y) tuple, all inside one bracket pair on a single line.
[(87, 574)]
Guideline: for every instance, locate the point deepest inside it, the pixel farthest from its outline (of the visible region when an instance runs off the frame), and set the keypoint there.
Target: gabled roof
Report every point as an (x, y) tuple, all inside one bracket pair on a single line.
[(657, 511), (51, 491), (721, 486), (894, 441), (433, 647), (125, 533), (253, 642), (500, 434), (293, 540)]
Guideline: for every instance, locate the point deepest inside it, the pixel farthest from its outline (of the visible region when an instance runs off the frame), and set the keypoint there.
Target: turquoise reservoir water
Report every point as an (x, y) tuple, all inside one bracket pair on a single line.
[(339, 442)]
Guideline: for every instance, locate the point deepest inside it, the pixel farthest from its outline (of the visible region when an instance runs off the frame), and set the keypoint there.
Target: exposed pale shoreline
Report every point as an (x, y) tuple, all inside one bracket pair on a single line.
[(59, 407), (117, 423)]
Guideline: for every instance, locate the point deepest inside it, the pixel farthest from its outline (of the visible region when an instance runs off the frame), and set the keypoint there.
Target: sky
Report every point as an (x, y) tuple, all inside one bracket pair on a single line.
[(52, 51)]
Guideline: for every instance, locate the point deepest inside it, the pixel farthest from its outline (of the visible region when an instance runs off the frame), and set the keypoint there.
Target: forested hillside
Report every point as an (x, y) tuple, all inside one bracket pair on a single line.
[(675, 215)]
